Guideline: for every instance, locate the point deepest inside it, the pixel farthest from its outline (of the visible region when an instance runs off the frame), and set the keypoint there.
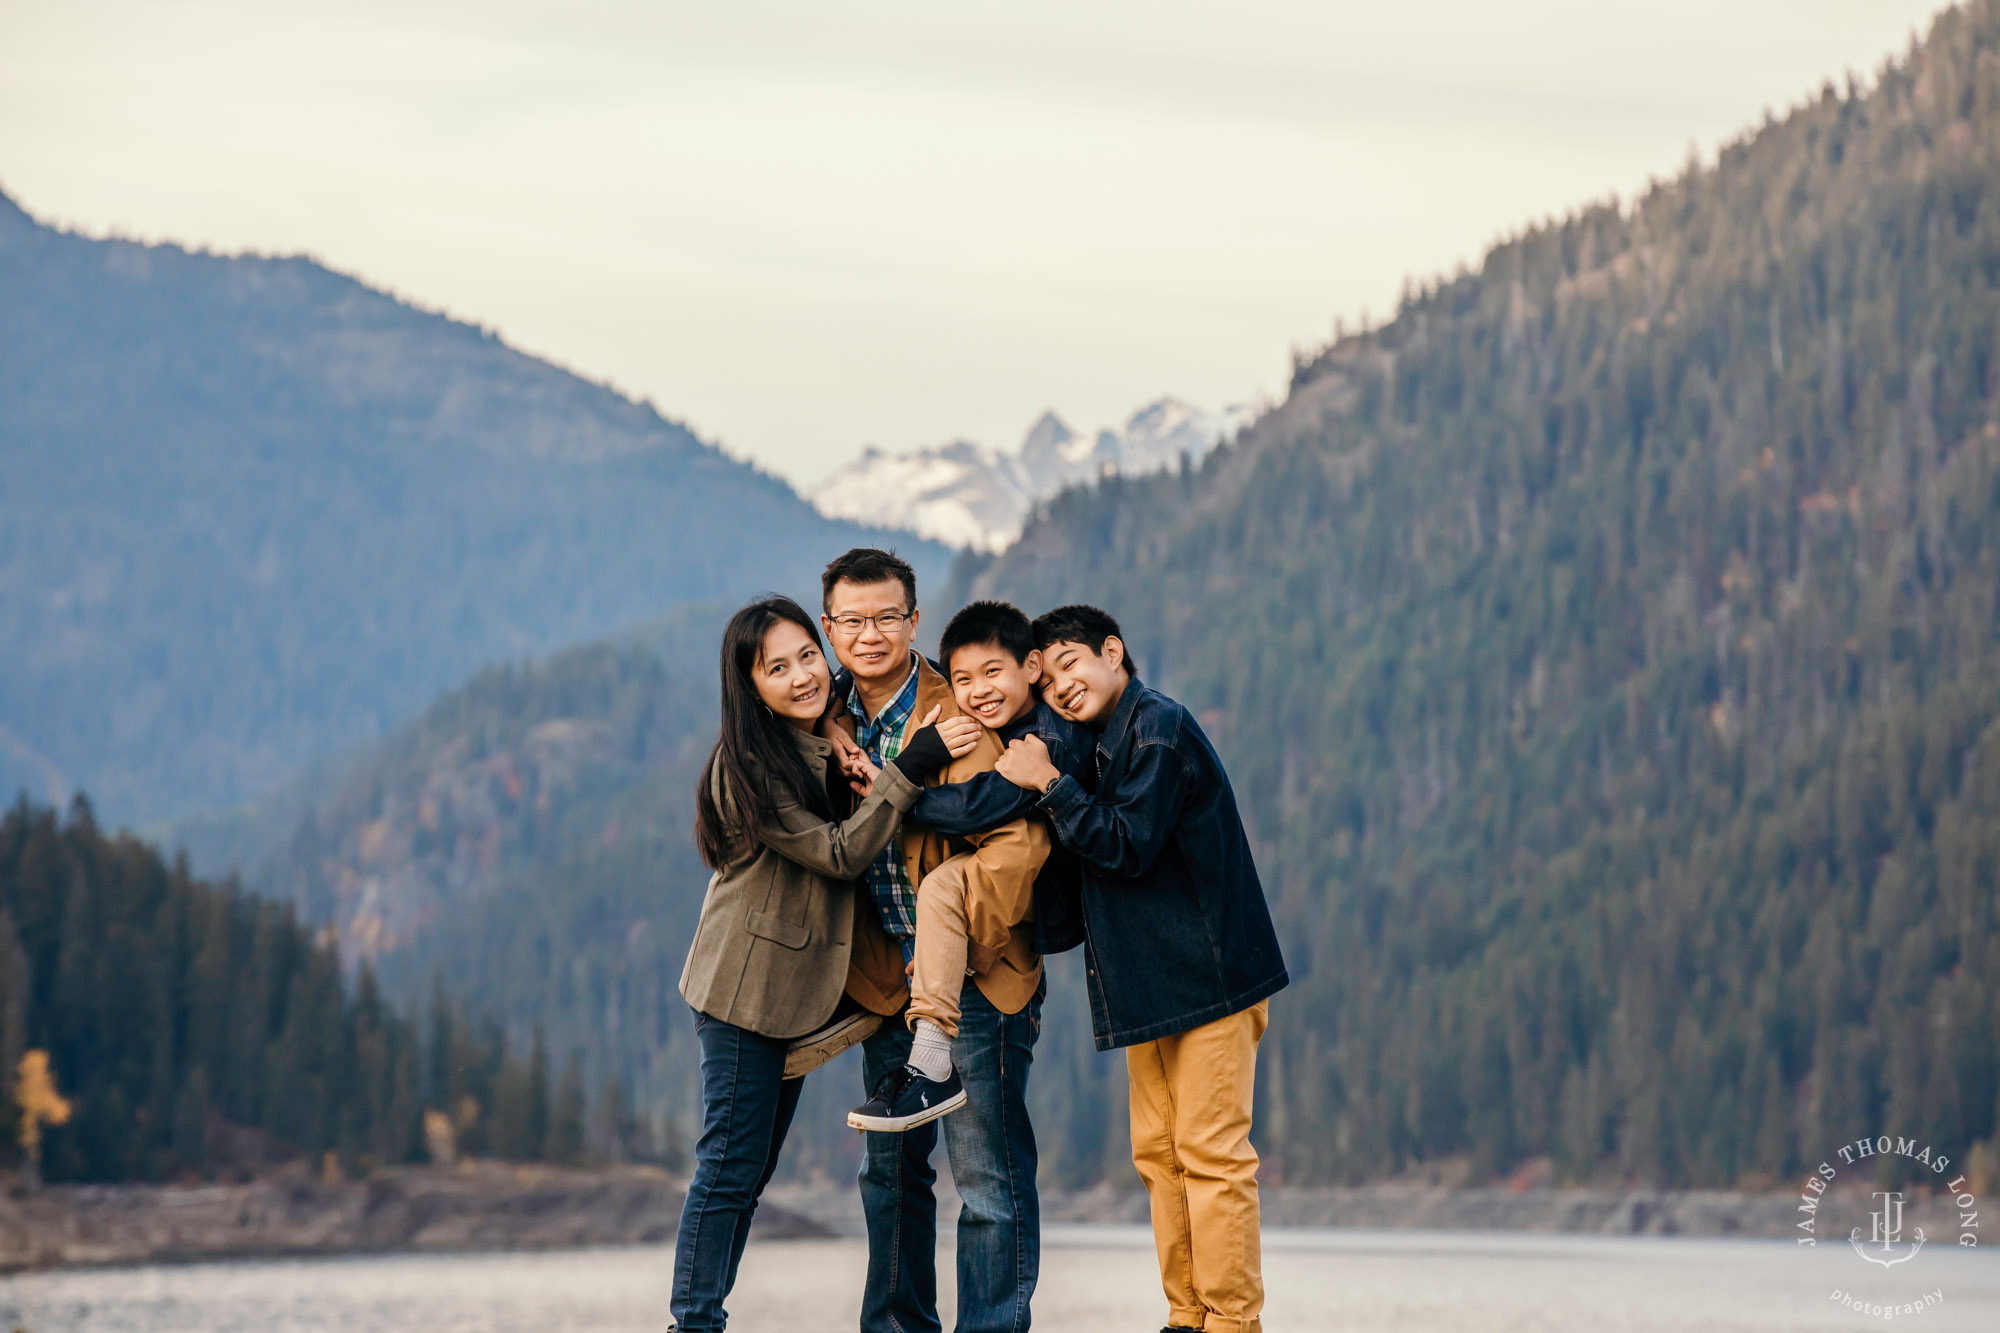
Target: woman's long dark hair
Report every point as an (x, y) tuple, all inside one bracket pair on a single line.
[(756, 754)]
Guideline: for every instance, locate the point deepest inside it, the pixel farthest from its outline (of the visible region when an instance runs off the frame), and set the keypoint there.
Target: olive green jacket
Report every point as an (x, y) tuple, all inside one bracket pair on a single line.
[(773, 948)]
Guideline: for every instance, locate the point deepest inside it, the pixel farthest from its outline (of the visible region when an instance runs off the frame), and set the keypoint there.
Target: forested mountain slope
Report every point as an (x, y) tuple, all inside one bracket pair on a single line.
[(526, 842), (253, 511), (196, 1031), (1607, 652)]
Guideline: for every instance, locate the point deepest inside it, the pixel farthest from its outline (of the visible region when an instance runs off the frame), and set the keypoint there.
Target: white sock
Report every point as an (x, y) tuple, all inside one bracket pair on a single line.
[(930, 1052)]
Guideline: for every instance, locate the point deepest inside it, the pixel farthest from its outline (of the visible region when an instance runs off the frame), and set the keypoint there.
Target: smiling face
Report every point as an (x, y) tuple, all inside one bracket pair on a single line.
[(991, 687), (872, 653), (791, 675), (1084, 686)]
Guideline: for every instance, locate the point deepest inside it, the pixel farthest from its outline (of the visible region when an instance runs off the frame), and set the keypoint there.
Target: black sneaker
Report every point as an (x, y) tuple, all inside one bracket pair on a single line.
[(905, 1099)]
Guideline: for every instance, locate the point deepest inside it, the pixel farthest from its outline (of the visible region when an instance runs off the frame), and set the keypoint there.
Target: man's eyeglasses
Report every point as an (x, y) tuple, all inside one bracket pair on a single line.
[(889, 622)]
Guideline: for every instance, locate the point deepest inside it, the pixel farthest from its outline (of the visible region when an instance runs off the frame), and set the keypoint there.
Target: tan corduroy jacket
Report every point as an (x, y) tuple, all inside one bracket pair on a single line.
[(780, 931), (1000, 886)]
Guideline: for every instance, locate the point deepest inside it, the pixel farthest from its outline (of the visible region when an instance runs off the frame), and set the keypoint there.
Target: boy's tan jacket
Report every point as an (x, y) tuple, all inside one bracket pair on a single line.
[(999, 886)]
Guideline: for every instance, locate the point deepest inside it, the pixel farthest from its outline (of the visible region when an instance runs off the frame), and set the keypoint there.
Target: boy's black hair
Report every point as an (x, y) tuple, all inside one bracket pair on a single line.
[(1086, 625), (867, 564), (1002, 623)]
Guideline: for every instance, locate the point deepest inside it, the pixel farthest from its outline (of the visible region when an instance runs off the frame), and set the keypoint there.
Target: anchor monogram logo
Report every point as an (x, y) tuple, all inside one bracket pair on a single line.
[(1885, 1231)]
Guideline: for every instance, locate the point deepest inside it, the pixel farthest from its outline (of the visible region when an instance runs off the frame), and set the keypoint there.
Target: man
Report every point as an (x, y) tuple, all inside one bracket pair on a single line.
[(870, 603), (963, 916)]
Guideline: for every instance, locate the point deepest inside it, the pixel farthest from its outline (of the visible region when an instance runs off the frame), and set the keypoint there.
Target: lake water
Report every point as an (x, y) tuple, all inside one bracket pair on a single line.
[(1096, 1278)]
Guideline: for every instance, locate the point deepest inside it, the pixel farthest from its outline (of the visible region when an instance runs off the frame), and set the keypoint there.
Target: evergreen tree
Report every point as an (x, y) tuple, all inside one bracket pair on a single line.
[(168, 1009), (568, 1117)]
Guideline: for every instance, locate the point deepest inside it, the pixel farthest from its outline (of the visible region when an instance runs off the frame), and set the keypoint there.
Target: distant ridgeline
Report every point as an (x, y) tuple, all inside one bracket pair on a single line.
[(197, 1030), (253, 511), (1607, 652)]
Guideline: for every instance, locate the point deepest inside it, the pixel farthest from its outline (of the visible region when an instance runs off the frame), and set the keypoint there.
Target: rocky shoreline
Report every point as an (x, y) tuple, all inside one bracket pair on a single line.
[(489, 1206), (414, 1210), (1608, 1212), (1769, 1215)]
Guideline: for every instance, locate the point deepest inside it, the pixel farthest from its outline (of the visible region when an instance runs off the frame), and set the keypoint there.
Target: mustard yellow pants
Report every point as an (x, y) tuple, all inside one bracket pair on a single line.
[(1191, 1142)]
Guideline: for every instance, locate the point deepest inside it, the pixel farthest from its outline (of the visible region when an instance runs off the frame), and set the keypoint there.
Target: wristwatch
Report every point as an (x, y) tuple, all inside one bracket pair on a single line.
[(1050, 785)]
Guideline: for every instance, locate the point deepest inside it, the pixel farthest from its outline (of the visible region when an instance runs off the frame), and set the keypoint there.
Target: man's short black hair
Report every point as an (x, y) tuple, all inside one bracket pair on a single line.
[(1086, 625), (1001, 623), (867, 564)]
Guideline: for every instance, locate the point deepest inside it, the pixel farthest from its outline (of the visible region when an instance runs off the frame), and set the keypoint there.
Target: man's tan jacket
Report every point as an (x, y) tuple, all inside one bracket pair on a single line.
[(999, 886)]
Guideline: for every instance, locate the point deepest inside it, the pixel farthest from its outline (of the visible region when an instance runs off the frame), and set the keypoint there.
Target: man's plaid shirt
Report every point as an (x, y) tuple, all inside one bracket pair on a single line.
[(888, 874)]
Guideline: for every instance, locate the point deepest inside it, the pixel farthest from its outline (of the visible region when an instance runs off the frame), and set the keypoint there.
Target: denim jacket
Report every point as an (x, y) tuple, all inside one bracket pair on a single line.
[(1176, 930), (987, 800)]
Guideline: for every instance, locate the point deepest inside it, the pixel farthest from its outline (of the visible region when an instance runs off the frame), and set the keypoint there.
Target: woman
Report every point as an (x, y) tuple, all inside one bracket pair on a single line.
[(771, 954)]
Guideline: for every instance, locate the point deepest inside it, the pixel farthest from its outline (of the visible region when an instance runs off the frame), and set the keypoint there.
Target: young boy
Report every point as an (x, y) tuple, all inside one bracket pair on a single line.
[(989, 657), (1179, 951)]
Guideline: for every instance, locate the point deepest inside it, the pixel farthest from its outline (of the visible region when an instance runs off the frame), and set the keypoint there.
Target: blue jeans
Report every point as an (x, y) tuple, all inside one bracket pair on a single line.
[(992, 1150), (746, 1107)]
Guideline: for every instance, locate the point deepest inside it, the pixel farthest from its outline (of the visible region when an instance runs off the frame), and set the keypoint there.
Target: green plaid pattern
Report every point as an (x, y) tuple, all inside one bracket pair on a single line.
[(888, 874)]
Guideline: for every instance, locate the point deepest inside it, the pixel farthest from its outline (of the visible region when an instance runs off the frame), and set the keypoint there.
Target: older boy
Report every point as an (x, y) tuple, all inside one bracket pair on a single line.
[(1180, 956)]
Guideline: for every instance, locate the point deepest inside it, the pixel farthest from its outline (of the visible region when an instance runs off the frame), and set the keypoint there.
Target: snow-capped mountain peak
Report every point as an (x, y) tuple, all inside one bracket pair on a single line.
[(969, 496), (1049, 432)]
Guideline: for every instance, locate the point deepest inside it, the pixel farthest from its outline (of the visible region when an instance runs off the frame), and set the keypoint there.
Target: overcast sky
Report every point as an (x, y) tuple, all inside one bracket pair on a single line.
[(807, 227)]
